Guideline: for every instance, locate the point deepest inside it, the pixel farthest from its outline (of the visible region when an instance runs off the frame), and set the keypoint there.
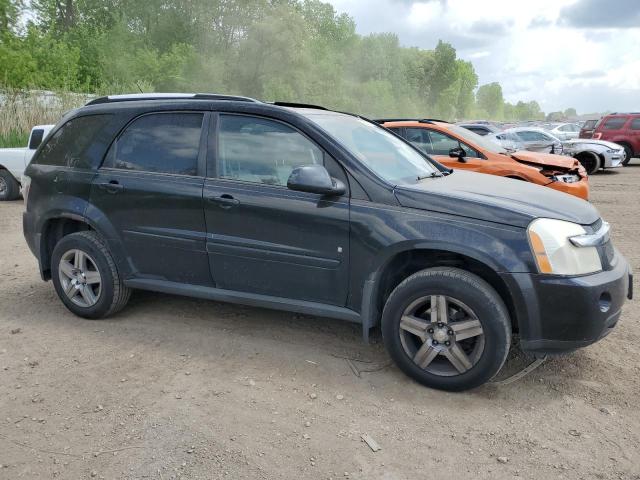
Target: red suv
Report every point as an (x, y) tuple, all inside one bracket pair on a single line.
[(623, 129)]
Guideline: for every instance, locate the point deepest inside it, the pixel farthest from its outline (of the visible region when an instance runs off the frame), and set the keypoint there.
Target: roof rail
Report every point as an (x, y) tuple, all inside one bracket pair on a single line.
[(168, 96), (298, 105), (420, 120)]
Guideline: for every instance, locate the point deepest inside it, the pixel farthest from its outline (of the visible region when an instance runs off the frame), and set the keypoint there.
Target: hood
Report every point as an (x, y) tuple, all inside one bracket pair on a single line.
[(494, 199), (546, 159), (590, 141)]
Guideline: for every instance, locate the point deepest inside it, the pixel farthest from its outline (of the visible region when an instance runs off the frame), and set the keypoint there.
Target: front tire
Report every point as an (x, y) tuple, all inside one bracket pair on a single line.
[(590, 161), (447, 329), (85, 276), (9, 187)]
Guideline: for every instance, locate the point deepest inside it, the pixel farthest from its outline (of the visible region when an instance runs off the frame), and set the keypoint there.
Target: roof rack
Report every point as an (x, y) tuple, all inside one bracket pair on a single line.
[(168, 96), (298, 105), (420, 120)]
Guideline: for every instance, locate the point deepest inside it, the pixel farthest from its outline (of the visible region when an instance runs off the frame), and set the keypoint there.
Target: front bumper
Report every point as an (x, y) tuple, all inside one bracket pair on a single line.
[(559, 314), (613, 160), (579, 189)]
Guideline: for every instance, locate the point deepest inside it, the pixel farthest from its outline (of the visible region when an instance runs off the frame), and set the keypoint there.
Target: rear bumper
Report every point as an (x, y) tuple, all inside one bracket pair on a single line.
[(560, 314), (579, 189)]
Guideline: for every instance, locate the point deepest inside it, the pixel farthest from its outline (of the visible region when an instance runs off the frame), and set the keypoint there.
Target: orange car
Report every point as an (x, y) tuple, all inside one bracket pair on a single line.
[(457, 147)]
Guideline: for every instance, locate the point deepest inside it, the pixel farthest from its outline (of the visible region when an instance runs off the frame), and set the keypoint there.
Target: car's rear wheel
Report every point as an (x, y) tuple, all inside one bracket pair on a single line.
[(85, 276), (447, 329), (9, 188), (628, 154)]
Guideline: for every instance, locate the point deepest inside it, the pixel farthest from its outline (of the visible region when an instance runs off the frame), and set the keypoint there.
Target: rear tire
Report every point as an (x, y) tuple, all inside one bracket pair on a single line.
[(462, 345), (85, 276), (9, 187)]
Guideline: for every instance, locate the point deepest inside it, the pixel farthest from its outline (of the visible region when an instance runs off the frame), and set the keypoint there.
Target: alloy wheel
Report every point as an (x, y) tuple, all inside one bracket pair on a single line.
[(80, 278), (3, 186), (442, 335)]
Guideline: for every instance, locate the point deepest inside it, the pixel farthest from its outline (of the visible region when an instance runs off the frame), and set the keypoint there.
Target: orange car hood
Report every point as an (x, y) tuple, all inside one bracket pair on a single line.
[(546, 159)]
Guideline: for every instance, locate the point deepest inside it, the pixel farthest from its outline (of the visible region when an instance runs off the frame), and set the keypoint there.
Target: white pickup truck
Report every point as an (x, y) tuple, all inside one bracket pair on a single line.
[(13, 162)]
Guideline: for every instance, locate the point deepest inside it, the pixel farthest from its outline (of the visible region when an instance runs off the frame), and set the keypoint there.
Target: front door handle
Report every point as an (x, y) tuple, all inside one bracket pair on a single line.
[(225, 201), (111, 187)]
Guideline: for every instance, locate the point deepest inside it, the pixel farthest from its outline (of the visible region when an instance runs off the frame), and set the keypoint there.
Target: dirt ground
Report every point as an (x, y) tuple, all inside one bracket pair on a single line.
[(181, 388)]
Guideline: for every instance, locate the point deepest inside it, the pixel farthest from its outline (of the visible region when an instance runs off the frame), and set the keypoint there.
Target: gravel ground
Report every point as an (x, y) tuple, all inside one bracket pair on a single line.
[(181, 388)]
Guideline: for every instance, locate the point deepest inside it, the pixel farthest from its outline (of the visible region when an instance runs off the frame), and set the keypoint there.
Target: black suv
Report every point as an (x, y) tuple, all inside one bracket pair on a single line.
[(299, 208)]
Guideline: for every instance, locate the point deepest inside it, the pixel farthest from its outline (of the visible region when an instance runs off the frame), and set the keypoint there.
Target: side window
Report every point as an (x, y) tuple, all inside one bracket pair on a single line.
[(69, 146), (258, 150), (160, 143), (36, 138), (614, 123), (419, 137), (442, 143), (635, 124), (566, 128)]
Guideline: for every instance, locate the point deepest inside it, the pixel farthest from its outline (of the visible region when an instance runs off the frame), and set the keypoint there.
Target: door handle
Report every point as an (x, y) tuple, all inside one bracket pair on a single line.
[(111, 187), (224, 201)]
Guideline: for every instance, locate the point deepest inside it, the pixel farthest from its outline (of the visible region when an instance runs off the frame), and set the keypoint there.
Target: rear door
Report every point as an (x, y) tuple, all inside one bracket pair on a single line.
[(149, 188), (263, 238)]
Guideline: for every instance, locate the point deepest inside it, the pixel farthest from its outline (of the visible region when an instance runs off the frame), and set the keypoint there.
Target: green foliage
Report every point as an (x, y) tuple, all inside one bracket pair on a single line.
[(295, 50), (13, 139)]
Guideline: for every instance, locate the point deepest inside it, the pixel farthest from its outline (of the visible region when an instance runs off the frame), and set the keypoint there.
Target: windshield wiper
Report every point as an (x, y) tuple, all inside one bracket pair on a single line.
[(431, 175)]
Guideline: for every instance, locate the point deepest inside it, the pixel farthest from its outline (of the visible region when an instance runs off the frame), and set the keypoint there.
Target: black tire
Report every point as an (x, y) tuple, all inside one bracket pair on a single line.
[(9, 187), (113, 294), (590, 161), (468, 289), (628, 154)]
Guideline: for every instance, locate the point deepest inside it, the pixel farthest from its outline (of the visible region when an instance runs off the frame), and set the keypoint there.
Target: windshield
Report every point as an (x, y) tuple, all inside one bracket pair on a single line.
[(381, 151), (480, 141)]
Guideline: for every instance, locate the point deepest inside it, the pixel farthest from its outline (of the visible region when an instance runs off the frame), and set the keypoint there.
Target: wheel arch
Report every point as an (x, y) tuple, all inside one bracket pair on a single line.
[(406, 262)]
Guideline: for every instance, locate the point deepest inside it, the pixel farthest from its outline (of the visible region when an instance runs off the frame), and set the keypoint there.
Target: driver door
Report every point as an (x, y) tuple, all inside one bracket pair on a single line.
[(437, 145)]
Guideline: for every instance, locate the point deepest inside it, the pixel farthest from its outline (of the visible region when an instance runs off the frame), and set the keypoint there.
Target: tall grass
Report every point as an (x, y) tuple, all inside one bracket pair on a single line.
[(21, 110)]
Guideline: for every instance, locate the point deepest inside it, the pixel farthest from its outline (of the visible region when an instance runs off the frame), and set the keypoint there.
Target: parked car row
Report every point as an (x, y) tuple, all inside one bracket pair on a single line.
[(300, 208), (612, 140)]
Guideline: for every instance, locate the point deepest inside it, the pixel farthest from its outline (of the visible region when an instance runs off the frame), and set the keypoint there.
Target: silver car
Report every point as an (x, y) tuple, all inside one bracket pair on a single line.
[(537, 139), (564, 131), (507, 140), (595, 154)]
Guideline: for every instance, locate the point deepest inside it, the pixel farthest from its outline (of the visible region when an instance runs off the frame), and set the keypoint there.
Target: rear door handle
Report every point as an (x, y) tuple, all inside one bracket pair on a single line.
[(225, 201), (111, 187)]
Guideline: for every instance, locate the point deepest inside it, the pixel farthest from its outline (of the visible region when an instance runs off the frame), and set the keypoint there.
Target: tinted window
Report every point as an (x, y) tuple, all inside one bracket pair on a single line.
[(162, 143), (589, 124), (69, 146), (478, 130), (436, 143), (257, 150), (635, 124), (36, 138), (420, 138), (614, 123)]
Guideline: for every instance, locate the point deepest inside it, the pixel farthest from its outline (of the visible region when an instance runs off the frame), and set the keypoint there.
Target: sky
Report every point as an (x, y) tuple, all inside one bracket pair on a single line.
[(583, 54)]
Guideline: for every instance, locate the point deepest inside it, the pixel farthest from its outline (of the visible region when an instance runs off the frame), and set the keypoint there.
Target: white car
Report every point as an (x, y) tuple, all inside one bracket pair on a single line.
[(13, 162), (595, 154), (565, 131), (537, 139)]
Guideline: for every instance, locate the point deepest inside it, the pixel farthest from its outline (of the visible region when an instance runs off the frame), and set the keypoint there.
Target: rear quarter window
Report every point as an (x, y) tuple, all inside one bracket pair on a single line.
[(36, 138), (71, 145), (614, 123), (635, 124)]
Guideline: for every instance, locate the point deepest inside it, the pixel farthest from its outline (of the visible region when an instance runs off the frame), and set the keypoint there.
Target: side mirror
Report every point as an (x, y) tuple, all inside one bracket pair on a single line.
[(459, 153), (315, 179)]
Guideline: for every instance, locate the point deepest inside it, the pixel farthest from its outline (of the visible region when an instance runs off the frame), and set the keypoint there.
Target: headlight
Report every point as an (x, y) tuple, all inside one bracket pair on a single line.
[(555, 253)]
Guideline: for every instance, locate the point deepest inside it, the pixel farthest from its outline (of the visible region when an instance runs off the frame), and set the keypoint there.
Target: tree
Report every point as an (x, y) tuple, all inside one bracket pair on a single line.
[(570, 113), (490, 99)]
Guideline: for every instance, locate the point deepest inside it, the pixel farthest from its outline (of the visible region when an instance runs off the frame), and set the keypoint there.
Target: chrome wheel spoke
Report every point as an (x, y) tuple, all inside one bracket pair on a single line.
[(414, 325), (67, 269), (70, 289), (439, 309), (466, 329), (80, 260), (425, 355), (458, 358), (88, 295), (92, 278)]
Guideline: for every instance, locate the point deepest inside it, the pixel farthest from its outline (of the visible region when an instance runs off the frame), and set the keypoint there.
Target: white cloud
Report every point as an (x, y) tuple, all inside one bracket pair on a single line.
[(533, 49)]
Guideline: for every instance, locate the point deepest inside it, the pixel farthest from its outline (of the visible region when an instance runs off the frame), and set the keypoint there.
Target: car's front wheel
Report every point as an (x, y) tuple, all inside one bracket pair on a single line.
[(85, 276), (628, 154), (447, 329)]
